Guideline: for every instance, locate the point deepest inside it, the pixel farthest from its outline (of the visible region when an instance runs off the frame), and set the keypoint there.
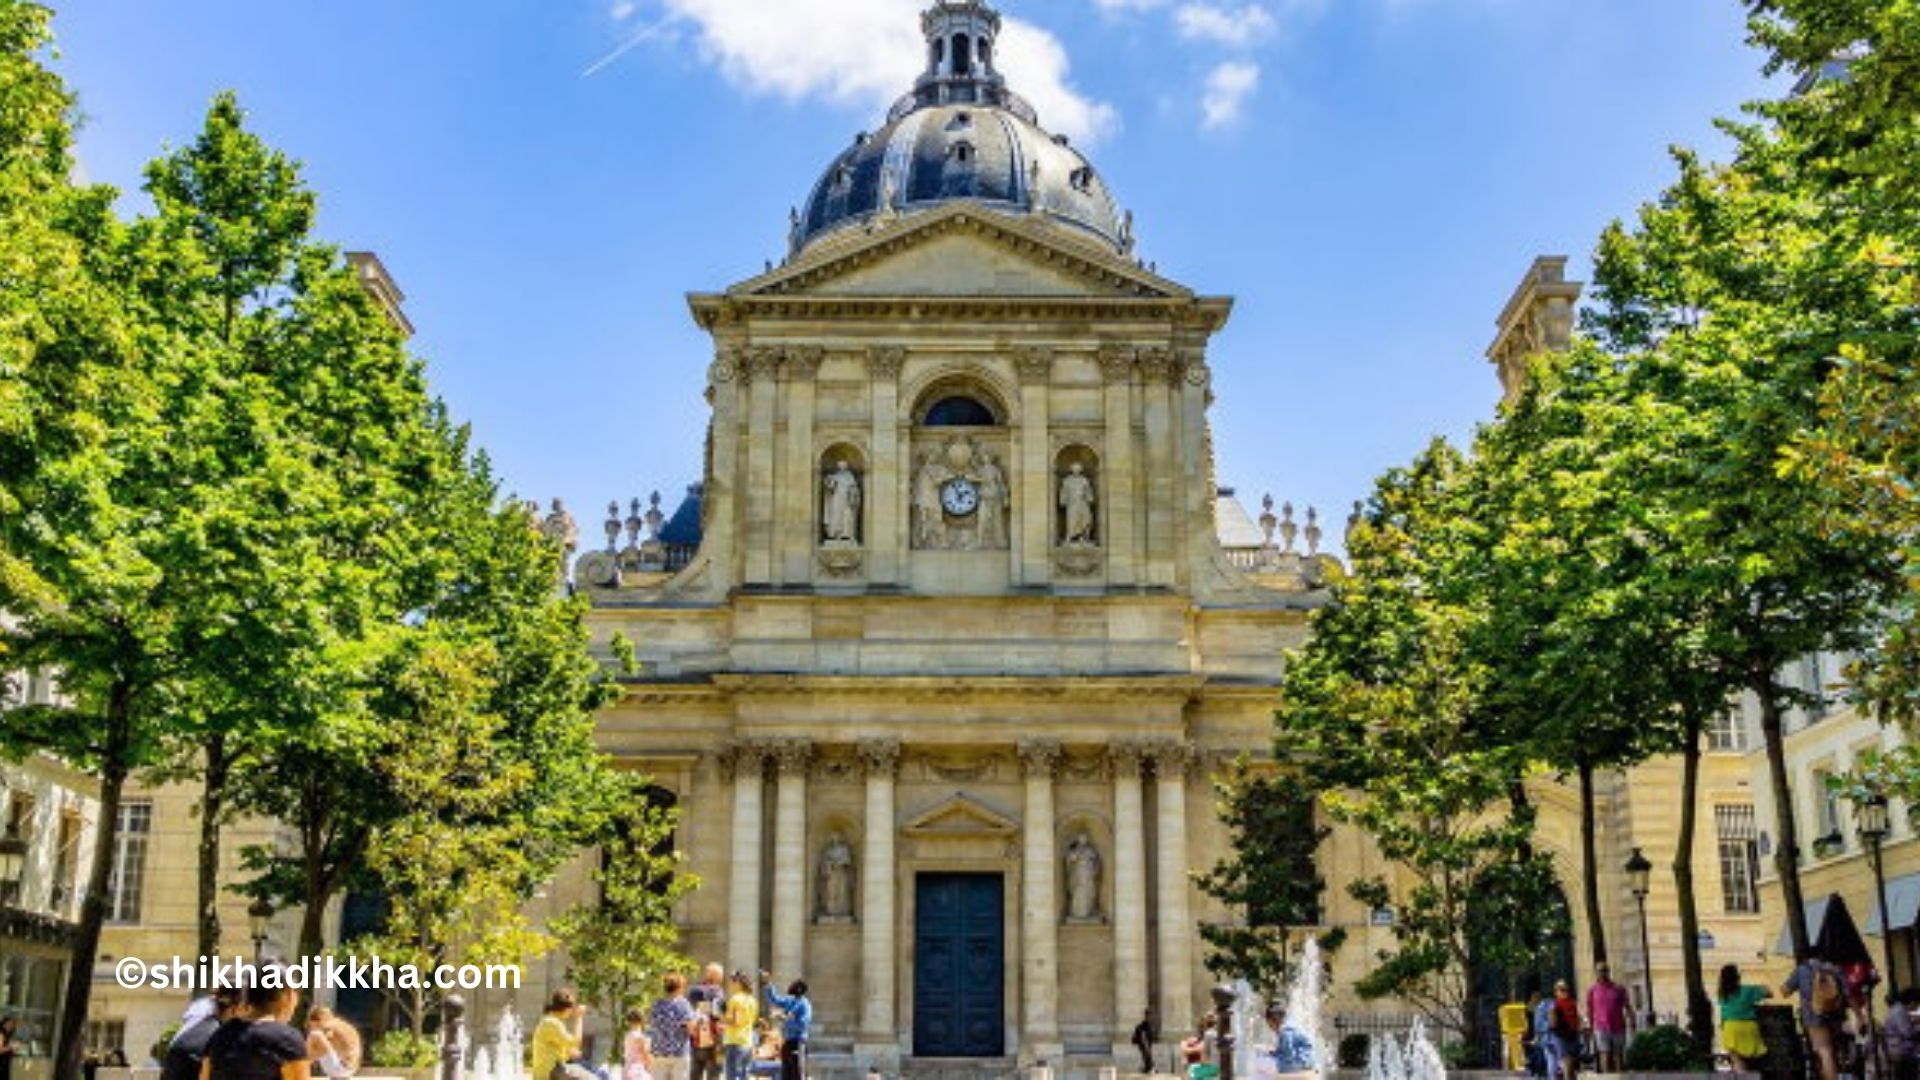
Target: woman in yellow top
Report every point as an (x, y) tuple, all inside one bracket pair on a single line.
[(556, 1038), (736, 1026)]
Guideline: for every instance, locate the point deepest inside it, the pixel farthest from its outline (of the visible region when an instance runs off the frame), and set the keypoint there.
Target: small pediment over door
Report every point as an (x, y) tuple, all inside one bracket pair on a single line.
[(961, 829)]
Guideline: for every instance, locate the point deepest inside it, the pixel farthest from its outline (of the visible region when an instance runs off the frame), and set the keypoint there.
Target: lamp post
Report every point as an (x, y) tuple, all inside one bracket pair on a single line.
[(1224, 998), (1870, 814), (1640, 879), (13, 866), (259, 914)]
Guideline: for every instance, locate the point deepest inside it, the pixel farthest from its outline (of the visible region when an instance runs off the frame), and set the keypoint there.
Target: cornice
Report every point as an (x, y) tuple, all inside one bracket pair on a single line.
[(1208, 314)]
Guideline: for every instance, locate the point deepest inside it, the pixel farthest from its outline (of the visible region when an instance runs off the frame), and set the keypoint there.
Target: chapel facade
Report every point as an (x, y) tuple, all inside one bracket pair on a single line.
[(942, 690)]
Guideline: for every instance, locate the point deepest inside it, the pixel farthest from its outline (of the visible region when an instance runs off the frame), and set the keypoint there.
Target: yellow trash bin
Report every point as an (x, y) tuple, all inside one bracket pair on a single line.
[(1513, 1029)]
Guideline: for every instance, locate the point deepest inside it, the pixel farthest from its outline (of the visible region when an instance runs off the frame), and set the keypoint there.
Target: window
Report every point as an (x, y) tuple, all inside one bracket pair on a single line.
[(961, 152), (1728, 732), (959, 412), (66, 863), (1826, 803), (1739, 859), (106, 1036), (1815, 673), (20, 815), (129, 862)]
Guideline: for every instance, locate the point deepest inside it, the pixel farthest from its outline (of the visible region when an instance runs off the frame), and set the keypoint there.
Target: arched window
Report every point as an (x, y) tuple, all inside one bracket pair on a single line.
[(986, 53), (958, 411), (962, 54)]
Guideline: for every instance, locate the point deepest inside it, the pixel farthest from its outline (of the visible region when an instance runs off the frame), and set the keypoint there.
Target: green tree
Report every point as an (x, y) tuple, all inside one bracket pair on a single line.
[(1388, 707), (1270, 878), (626, 938)]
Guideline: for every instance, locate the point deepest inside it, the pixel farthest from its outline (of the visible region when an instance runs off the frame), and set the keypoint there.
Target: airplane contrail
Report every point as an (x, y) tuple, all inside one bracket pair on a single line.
[(645, 33)]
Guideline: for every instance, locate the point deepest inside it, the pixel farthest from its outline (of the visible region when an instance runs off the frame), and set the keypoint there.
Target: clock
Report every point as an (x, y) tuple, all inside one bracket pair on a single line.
[(959, 497)]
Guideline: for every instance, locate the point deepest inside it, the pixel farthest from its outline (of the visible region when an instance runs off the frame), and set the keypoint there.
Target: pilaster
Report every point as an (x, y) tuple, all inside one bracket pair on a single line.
[(747, 762), (1033, 543), (790, 860), (1170, 763), (798, 531), (876, 1046), (1130, 979), (1118, 536), (887, 481), (1039, 907)]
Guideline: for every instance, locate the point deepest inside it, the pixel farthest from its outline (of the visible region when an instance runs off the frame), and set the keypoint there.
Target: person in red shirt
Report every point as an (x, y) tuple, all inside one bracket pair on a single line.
[(1610, 1018), (1565, 1028)]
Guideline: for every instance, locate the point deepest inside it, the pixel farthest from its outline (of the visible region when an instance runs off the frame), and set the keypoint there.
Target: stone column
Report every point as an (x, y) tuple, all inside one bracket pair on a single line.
[(1039, 906), (1033, 506), (1121, 524), (1176, 923), (1130, 977), (1159, 508), (725, 389), (791, 859), (877, 1046), (748, 761), (886, 480)]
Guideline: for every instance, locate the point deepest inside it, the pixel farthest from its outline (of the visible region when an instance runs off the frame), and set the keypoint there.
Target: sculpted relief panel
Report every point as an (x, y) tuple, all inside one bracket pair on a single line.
[(961, 497)]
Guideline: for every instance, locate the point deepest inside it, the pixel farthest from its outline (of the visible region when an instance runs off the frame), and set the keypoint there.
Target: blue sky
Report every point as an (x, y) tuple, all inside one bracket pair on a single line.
[(547, 179)]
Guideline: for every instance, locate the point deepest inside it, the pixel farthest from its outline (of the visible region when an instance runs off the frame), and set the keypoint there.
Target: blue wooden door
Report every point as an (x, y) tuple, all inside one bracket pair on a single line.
[(958, 973)]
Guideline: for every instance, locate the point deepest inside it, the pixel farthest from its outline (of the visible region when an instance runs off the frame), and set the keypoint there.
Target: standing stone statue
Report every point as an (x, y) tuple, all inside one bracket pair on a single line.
[(1083, 879), (1076, 499), (560, 528), (929, 527), (840, 515), (993, 503), (835, 898)]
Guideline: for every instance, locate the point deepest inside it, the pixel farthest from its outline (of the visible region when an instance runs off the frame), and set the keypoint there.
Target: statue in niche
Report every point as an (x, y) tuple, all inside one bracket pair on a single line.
[(1083, 880), (1076, 501), (993, 503), (840, 501), (835, 899)]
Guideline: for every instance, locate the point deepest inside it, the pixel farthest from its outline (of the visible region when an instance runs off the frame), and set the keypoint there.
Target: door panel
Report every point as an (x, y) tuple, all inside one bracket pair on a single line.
[(959, 966)]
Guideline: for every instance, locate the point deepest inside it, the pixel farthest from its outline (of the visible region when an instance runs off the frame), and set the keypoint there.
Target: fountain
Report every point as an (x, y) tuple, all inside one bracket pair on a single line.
[(1418, 1059), (507, 1049), (1303, 1045)]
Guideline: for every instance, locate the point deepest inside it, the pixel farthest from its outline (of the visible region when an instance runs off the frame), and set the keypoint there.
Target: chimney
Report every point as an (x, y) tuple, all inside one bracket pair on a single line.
[(379, 285)]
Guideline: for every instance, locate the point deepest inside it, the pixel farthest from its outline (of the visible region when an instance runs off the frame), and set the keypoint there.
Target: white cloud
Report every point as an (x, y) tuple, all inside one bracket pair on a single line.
[(1234, 27), (622, 10), (867, 52), (1228, 86), (1127, 5)]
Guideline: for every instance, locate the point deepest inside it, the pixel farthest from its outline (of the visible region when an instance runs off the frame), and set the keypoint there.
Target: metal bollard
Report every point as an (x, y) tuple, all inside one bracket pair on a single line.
[(453, 1017), (1223, 999)]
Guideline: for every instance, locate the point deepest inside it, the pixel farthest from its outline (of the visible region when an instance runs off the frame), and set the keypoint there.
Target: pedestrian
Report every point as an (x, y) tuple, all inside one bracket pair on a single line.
[(1740, 1018), (332, 1043), (9, 1027), (671, 1024), (795, 1029), (1821, 988), (1903, 1055), (709, 1001), (256, 1042), (1143, 1040), (1564, 1026), (1541, 1059), (189, 1046), (557, 1040), (737, 1024), (1607, 1013), (636, 1050)]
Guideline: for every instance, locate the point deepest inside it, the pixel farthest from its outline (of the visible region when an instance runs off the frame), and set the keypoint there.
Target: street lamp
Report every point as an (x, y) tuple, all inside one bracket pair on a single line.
[(1640, 879), (1870, 815), (13, 865), (259, 914)]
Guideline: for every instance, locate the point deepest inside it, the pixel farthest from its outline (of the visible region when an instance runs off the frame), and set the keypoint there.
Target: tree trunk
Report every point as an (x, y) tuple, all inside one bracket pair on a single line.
[(1590, 865), (213, 795), (114, 766), (1699, 1008), (1786, 853)]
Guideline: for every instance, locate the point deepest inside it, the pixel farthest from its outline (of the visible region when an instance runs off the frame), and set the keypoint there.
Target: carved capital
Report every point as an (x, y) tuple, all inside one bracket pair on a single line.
[(1116, 362), (742, 760), (1158, 365), (1039, 757), (880, 757), (885, 361), (1035, 364), (1171, 759), (790, 756), (759, 363), (1125, 757), (802, 362)]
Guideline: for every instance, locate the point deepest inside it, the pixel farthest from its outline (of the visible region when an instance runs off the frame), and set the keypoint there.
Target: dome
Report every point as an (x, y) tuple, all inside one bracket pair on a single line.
[(961, 135)]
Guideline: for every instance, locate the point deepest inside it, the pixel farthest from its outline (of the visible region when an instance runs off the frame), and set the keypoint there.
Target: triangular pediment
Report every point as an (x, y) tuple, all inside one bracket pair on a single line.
[(962, 249), (960, 816)]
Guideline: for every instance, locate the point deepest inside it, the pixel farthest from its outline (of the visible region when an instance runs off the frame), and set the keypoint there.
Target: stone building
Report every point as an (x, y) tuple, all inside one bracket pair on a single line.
[(941, 690)]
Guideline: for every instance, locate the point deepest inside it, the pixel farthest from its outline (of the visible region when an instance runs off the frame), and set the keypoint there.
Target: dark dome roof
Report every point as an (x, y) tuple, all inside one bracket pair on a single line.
[(935, 154)]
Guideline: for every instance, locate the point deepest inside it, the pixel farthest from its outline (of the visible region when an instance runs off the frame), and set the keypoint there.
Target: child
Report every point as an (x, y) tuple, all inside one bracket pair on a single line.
[(637, 1048)]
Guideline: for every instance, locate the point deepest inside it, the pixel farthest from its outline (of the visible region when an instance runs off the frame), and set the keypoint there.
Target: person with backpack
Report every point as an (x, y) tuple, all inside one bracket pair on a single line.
[(1821, 988), (1564, 1025)]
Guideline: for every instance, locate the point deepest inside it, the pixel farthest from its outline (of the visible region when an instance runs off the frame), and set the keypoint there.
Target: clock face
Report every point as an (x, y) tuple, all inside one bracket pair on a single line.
[(959, 497)]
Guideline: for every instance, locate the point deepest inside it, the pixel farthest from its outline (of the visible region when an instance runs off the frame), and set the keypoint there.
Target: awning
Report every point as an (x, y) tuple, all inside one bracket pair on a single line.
[(1903, 904), (1816, 914)]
